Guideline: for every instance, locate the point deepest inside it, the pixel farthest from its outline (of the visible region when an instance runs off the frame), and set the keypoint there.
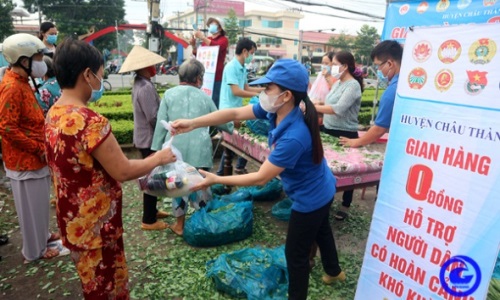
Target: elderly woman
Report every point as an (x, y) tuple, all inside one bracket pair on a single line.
[(87, 166), (187, 101), (145, 101), (21, 128)]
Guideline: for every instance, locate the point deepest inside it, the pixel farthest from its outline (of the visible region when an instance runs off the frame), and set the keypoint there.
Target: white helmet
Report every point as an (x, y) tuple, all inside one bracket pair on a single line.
[(21, 44)]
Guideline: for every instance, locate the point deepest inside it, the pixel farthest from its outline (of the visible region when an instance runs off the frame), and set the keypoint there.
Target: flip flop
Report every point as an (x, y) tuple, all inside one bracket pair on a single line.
[(340, 216), (174, 232), (49, 253), (54, 237)]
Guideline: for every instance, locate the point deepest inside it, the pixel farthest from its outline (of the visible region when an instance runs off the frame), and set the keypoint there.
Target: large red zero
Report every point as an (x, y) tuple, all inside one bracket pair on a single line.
[(419, 182)]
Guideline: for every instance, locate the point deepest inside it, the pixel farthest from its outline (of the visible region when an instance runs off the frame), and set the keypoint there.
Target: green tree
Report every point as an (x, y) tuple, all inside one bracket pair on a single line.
[(342, 42), (6, 27), (75, 17), (364, 43), (232, 27)]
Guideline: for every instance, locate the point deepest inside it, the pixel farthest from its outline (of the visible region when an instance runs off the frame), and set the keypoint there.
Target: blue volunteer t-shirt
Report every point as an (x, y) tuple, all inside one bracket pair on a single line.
[(234, 73), (384, 113), (309, 185)]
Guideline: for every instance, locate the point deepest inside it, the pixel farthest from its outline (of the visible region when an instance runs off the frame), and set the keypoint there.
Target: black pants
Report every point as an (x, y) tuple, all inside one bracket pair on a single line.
[(303, 230), (149, 210), (347, 195)]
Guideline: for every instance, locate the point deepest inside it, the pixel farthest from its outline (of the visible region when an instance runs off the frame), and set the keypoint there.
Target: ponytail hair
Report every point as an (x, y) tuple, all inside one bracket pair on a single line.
[(311, 119), (346, 58)]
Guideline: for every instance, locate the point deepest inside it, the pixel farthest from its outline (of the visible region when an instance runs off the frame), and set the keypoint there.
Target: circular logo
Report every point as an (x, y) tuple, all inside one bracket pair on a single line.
[(449, 51), (482, 51), (476, 82), (442, 5), (357, 179), (489, 2), (404, 9), (463, 4), (494, 20), (460, 276), (422, 7), (417, 78), (422, 51), (443, 80)]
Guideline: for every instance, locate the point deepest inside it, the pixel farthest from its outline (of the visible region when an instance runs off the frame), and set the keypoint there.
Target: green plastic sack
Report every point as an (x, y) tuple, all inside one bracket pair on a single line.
[(269, 192), (218, 189), (252, 273), (282, 209), (219, 223), (238, 196)]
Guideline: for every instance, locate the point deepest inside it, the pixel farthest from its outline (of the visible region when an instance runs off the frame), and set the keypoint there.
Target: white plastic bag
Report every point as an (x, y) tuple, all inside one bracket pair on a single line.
[(170, 180), (319, 90)]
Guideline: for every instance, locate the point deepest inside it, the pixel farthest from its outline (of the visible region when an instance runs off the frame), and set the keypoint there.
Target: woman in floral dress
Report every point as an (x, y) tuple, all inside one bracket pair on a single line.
[(87, 166)]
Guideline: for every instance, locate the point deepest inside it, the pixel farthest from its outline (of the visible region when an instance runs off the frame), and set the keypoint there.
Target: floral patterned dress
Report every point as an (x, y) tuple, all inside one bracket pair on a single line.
[(89, 206)]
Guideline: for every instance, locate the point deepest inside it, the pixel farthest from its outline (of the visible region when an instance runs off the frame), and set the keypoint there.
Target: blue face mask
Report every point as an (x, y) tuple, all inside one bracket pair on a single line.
[(52, 39), (382, 77), (96, 94), (212, 28), (326, 67)]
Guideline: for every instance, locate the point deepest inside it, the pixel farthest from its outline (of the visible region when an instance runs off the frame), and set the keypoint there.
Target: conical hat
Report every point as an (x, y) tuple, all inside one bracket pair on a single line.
[(140, 58)]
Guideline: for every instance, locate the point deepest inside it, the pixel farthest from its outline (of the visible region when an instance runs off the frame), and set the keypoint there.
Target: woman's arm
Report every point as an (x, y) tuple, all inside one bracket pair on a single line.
[(324, 109), (266, 172), (118, 166), (215, 118)]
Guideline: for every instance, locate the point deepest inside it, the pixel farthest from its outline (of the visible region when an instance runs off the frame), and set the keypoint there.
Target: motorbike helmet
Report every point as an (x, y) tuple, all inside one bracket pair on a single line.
[(21, 45)]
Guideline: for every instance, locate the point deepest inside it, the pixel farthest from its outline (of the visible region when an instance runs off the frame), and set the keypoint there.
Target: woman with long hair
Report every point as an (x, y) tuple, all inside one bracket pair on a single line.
[(297, 157), (341, 108)]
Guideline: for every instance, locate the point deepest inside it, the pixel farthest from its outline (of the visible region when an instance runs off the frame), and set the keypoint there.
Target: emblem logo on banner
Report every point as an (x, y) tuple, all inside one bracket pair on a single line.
[(417, 78), (462, 4), (476, 82), (444, 80), (442, 5), (422, 51), (482, 51), (449, 51), (422, 7)]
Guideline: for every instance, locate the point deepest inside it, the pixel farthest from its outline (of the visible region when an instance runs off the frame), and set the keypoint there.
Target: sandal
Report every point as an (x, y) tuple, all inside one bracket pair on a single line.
[(54, 237), (49, 253), (340, 216)]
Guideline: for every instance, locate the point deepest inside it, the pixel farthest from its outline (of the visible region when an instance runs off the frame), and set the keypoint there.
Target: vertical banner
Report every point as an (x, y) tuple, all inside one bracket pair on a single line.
[(435, 228), (207, 55), (400, 15)]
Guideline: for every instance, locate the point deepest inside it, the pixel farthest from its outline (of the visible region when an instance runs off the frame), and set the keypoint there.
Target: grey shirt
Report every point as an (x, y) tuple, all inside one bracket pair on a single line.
[(345, 99), (146, 102)]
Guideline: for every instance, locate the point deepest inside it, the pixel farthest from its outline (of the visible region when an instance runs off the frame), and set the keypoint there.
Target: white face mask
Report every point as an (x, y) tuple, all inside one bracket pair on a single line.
[(38, 69), (336, 72), (268, 102)]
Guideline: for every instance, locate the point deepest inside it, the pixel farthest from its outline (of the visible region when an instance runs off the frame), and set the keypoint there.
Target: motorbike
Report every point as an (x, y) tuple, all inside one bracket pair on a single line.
[(169, 70)]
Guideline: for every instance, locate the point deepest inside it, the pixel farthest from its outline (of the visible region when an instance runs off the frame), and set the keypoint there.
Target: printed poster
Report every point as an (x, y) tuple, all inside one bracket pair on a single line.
[(435, 228), (401, 15), (207, 55)]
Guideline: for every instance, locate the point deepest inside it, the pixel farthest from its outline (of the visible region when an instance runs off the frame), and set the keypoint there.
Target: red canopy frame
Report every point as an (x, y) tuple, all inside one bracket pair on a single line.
[(111, 29)]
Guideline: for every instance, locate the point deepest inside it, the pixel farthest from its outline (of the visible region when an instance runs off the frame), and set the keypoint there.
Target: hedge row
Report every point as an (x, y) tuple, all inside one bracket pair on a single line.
[(123, 131), (118, 109)]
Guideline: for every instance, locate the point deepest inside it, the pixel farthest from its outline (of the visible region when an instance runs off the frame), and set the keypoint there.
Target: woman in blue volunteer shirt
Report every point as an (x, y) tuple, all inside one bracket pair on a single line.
[(297, 156)]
